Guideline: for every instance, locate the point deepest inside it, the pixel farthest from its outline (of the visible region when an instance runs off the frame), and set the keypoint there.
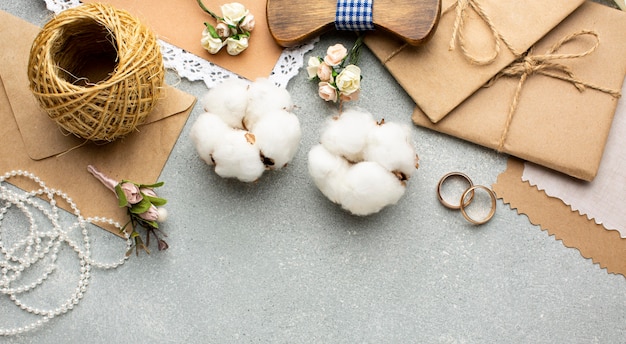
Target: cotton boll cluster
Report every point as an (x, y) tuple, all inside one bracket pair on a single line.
[(362, 164), (247, 128)]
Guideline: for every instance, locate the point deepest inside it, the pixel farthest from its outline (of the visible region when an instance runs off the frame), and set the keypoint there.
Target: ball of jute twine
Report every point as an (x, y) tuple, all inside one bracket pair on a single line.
[(97, 71)]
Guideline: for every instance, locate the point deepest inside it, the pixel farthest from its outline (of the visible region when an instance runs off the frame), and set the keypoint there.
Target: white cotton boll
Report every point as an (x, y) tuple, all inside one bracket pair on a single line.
[(328, 172), (228, 100), (347, 134), (264, 96), (389, 144), (369, 188), (206, 133), (278, 137), (236, 157)]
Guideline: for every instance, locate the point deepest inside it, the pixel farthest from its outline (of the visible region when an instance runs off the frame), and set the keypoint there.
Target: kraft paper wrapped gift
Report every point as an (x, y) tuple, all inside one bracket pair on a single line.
[(30, 141), (454, 64), (543, 114)]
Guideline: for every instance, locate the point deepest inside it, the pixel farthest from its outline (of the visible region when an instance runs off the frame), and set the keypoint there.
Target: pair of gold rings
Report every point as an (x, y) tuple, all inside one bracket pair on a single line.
[(467, 197)]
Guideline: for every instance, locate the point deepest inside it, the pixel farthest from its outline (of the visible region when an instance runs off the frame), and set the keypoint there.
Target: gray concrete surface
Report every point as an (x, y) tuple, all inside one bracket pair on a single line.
[(276, 262)]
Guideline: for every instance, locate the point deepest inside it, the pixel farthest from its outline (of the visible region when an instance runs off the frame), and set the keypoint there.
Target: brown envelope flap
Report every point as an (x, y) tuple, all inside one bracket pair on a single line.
[(41, 136), (553, 123), (438, 77)]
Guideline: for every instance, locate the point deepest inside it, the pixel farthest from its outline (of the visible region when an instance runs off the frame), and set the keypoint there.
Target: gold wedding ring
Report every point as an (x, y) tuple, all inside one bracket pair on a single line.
[(492, 211), (467, 197), (443, 180)]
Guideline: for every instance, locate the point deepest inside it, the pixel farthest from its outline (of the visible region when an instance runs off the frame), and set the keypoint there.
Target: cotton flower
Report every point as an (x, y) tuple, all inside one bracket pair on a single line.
[(206, 133), (369, 187), (389, 145), (277, 150), (362, 164), (247, 129), (328, 172), (346, 135), (264, 96), (228, 101), (237, 157)]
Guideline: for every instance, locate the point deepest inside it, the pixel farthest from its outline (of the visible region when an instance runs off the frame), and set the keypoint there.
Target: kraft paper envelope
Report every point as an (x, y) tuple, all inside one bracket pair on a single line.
[(30, 141), (181, 22), (553, 124), (439, 78), (604, 247)]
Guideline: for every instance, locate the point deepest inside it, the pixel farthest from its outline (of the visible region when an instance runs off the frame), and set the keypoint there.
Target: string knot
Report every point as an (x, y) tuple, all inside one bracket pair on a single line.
[(547, 65)]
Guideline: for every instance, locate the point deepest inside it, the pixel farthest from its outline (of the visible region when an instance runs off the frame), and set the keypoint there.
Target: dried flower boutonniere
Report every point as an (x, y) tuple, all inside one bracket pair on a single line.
[(232, 29), (144, 208), (338, 75)]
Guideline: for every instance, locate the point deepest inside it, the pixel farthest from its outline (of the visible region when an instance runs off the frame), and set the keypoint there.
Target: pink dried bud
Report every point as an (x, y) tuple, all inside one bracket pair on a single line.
[(163, 245), (131, 191), (106, 181), (148, 192), (152, 214)]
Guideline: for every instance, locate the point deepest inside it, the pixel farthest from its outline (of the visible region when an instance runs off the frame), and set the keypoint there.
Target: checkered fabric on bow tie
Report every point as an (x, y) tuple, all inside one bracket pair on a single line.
[(354, 15)]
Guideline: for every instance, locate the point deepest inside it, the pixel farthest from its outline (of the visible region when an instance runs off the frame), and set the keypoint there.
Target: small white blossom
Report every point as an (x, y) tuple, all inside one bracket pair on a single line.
[(210, 43), (235, 46)]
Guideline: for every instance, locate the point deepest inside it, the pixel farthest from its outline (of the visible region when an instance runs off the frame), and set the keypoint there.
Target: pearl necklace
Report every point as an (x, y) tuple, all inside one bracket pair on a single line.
[(41, 247)]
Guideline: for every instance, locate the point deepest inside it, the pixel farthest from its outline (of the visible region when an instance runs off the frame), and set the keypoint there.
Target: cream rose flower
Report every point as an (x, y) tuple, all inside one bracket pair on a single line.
[(236, 46), (233, 13), (248, 23), (349, 80), (327, 92), (210, 43), (312, 66), (222, 30), (335, 54), (324, 72)]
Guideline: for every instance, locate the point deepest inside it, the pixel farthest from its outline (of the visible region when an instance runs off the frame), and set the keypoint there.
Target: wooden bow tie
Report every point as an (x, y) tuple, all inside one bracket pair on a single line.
[(293, 22)]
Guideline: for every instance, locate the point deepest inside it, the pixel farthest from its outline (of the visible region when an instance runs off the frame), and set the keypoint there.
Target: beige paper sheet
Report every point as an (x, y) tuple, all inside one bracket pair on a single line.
[(604, 247), (554, 124), (439, 78), (181, 23), (41, 148)]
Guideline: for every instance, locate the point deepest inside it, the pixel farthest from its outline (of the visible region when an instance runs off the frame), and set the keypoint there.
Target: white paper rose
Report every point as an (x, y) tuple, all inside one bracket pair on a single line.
[(235, 46), (210, 43), (349, 80), (312, 66), (233, 13)]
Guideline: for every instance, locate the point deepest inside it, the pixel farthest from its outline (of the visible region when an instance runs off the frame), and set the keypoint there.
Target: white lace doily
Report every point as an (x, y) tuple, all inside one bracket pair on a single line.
[(194, 68)]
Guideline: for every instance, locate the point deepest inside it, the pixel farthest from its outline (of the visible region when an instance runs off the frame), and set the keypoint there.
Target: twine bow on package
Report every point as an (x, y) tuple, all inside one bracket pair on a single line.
[(554, 106), (475, 39), (536, 80)]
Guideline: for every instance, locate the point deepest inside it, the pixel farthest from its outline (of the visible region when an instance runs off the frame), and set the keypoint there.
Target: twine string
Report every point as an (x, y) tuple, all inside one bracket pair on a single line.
[(461, 7), (546, 65)]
